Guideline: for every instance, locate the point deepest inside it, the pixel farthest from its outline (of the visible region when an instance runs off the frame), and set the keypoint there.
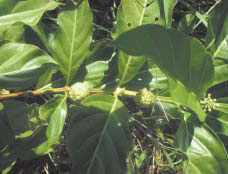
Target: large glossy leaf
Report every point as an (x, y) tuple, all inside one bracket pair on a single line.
[(178, 55), (21, 65), (181, 57), (73, 39), (28, 12), (132, 14), (98, 139), (206, 153)]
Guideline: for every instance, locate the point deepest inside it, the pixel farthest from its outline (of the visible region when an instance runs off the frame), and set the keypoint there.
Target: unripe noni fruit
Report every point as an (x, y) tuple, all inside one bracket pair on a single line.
[(78, 91)]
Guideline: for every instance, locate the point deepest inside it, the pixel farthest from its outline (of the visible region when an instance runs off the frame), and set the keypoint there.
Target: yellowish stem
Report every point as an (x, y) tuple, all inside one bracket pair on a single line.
[(66, 90), (36, 92)]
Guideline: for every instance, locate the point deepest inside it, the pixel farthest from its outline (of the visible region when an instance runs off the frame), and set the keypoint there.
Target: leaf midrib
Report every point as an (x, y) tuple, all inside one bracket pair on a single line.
[(72, 48), (102, 134), (143, 12)]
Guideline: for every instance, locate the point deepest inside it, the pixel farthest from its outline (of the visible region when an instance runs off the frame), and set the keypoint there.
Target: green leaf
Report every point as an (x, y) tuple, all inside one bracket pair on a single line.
[(207, 148), (37, 129), (202, 17), (221, 74), (100, 50), (187, 23), (95, 73), (72, 41), (27, 129), (22, 65), (28, 12), (148, 77), (24, 119), (6, 6), (183, 137), (217, 32), (182, 58), (55, 112), (98, 139), (159, 80), (46, 77), (57, 81), (44, 33), (140, 159), (24, 148), (33, 136), (135, 13), (129, 66), (14, 33), (6, 133), (206, 153), (186, 97), (131, 15), (217, 40), (218, 121), (166, 8), (5, 171)]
